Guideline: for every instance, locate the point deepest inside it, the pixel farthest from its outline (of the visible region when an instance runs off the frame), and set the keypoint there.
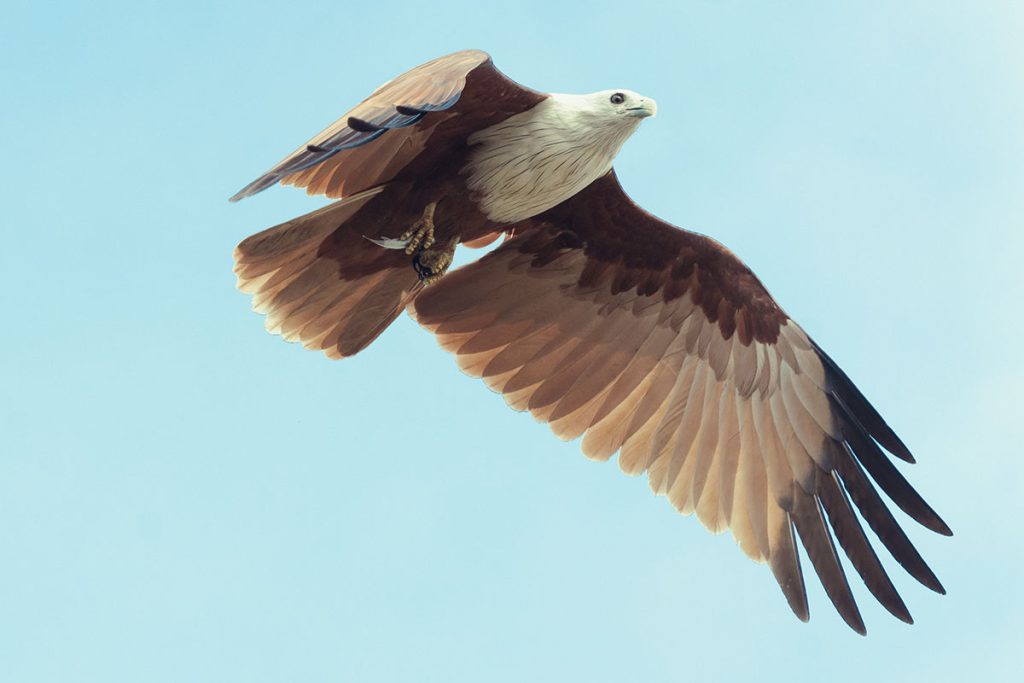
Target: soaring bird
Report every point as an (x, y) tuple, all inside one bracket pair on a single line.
[(599, 318)]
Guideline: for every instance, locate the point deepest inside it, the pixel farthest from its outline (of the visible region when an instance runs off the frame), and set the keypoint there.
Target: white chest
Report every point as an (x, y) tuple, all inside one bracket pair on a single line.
[(537, 159)]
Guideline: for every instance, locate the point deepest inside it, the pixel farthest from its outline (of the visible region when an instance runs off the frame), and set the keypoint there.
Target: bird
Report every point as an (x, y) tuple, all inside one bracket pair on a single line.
[(649, 341)]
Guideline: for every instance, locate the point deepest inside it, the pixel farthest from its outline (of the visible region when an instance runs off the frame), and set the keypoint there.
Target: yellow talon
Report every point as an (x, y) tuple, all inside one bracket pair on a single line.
[(432, 265), (421, 234)]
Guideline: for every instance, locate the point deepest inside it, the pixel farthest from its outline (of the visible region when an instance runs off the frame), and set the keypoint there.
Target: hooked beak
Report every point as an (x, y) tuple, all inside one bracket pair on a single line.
[(647, 107)]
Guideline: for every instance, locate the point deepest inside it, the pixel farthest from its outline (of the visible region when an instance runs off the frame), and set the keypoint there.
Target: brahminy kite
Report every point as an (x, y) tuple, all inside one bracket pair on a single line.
[(602, 320)]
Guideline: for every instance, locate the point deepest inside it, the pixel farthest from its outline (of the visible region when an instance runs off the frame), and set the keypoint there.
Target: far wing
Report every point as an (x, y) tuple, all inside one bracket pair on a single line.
[(660, 345), (398, 118)]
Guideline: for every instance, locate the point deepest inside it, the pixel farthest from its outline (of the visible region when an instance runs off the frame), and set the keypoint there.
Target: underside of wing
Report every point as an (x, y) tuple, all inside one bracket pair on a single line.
[(374, 141), (661, 346)]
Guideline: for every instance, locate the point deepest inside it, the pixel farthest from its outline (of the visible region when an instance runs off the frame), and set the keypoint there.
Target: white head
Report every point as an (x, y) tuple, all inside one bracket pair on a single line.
[(612, 108), (538, 158)]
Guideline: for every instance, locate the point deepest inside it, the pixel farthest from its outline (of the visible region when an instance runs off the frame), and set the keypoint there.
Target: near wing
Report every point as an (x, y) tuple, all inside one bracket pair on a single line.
[(403, 113), (659, 344)]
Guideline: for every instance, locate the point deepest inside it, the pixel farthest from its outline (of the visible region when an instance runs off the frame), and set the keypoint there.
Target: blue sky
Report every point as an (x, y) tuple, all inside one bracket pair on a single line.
[(186, 498)]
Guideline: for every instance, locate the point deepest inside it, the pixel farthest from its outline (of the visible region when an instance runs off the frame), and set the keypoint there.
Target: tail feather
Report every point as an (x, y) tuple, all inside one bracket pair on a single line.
[(320, 283)]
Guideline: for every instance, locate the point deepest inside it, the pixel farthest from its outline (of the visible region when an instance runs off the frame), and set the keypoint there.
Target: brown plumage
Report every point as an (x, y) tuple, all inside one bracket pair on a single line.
[(603, 321)]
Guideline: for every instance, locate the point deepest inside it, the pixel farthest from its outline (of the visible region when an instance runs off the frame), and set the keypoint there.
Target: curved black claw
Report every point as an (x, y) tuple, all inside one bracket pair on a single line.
[(431, 264), (423, 271)]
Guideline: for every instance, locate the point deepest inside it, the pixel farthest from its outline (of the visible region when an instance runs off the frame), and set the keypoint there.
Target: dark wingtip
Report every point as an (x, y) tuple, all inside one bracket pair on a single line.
[(885, 474), (906, 456), (857, 547), (798, 603), (934, 522), (928, 579), (931, 582), (898, 609), (843, 389), (785, 566), (854, 620), (896, 446)]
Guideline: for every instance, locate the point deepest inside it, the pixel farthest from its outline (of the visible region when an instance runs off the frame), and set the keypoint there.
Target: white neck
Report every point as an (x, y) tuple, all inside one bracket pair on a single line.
[(535, 160)]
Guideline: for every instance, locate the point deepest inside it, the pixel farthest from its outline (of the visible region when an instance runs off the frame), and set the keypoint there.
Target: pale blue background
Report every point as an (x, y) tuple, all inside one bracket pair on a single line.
[(186, 498)]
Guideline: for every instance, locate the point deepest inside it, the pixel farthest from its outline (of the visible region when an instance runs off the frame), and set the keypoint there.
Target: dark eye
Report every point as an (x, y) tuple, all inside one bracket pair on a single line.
[(618, 98)]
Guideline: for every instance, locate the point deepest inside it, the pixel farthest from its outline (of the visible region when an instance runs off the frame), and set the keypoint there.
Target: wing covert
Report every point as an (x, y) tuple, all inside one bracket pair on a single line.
[(399, 119)]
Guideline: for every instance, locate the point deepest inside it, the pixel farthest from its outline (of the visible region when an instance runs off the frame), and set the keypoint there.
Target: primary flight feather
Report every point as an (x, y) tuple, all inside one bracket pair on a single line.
[(600, 319)]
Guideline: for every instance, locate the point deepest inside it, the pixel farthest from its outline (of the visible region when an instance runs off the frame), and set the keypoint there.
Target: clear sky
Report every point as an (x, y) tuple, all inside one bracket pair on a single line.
[(184, 497)]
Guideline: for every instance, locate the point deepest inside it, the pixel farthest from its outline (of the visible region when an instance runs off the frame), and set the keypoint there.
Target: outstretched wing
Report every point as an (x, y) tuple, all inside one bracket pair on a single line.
[(660, 345), (399, 118)]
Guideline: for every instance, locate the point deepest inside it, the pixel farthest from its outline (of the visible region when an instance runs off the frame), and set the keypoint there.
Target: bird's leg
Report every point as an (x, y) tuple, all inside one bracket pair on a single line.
[(431, 265), (421, 235)]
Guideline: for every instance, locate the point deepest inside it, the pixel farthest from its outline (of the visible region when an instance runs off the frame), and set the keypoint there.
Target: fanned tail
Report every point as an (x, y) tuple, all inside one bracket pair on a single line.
[(321, 283)]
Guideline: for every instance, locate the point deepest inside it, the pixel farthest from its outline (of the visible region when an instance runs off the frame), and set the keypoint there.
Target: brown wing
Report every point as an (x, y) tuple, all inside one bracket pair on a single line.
[(398, 119), (660, 345)]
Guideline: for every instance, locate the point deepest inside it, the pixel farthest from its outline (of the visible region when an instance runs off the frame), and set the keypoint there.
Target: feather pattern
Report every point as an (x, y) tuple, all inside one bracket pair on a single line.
[(660, 345), (320, 283), (374, 143), (532, 161)]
